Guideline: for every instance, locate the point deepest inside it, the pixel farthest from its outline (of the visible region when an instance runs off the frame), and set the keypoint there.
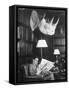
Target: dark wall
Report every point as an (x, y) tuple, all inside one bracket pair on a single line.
[(29, 39)]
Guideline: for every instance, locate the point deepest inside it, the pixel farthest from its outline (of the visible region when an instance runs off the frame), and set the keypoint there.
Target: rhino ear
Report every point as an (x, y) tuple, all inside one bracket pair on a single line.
[(52, 20), (44, 15), (34, 20), (57, 22)]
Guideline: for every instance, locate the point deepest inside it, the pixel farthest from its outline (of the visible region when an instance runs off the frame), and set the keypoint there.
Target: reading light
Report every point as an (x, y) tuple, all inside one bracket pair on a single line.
[(56, 53), (41, 44)]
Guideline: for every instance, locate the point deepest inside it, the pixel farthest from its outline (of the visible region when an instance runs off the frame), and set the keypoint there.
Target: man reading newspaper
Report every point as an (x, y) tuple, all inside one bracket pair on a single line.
[(44, 68)]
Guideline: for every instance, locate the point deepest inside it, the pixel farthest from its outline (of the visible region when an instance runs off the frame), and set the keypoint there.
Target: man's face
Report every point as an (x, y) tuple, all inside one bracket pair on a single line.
[(35, 61)]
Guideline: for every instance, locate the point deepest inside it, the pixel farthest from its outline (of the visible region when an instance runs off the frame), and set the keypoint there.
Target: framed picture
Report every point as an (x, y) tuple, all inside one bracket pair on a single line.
[(37, 44)]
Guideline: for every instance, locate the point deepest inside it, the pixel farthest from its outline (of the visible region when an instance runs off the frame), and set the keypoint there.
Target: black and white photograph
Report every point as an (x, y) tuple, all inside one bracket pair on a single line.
[(39, 44)]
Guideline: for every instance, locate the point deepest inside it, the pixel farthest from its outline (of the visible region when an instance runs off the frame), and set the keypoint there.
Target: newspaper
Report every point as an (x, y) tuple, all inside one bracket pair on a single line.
[(45, 65)]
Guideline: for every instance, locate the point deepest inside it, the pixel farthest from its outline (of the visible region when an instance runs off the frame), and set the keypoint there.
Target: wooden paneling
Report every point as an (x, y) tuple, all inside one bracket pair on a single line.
[(25, 41), (30, 38), (59, 41)]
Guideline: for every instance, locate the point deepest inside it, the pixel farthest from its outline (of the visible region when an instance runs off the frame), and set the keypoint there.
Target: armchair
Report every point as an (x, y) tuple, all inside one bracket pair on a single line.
[(28, 77)]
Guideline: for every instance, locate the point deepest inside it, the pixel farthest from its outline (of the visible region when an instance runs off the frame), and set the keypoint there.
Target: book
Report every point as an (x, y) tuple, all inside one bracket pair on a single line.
[(45, 66)]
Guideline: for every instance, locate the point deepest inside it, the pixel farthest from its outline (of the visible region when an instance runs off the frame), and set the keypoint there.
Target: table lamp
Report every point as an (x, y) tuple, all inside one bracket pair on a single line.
[(41, 44), (56, 53)]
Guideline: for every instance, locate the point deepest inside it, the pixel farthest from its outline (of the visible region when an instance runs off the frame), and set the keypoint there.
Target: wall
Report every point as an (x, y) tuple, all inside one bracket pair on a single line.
[(28, 43)]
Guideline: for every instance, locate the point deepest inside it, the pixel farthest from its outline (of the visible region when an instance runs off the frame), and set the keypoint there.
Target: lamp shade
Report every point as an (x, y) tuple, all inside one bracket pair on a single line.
[(41, 43), (56, 52)]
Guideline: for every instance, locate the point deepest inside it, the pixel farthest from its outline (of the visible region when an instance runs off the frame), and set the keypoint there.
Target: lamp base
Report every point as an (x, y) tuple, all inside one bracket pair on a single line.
[(57, 59)]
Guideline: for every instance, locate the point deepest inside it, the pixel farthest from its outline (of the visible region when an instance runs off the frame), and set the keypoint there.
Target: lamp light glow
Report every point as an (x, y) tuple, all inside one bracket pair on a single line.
[(56, 52), (41, 43)]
